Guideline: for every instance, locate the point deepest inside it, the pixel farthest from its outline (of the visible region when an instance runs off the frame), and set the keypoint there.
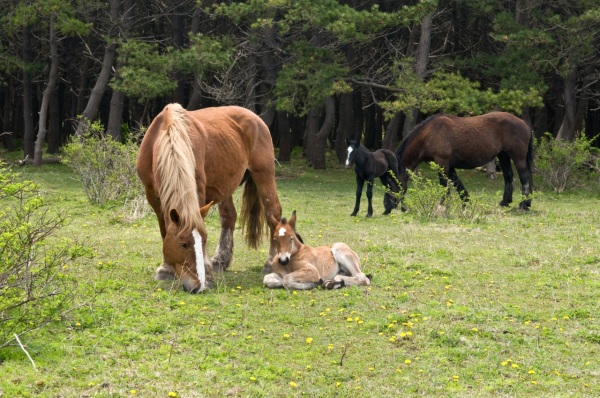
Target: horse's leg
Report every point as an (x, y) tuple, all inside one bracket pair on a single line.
[(444, 183), (267, 191), (165, 272), (224, 253), (525, 178), (370, 181), (273, 280), (460, 188), (507, 173), (388, 201), (305, 278), (360, 182), (349, 264)]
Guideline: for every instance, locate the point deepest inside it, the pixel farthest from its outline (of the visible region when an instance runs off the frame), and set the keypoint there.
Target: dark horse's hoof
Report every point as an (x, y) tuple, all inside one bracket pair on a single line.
[(369, 215), (387, 212), (353, 215), (524, 206), (333, 284)]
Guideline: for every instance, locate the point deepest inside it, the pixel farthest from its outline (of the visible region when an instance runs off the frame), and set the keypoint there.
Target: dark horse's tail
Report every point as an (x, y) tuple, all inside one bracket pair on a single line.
[(529, 161), (252, 217), (392, 162)]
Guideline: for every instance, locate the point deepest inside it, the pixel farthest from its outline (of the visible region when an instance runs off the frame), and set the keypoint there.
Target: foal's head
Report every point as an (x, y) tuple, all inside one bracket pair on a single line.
[(353, 149), (184, 249), (287, 240)]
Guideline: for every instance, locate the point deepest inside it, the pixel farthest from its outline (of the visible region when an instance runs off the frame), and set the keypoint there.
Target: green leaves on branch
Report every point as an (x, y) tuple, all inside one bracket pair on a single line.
[(452, 93), (148, 71), (312, 75), (35, 289)]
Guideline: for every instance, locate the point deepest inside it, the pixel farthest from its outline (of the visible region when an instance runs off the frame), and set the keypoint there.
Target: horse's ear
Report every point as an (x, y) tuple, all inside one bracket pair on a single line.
[(204, 209), (174, 215), (293, 220)]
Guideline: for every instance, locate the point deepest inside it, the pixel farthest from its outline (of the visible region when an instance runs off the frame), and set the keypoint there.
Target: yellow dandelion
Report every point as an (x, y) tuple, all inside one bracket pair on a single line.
[(252, 378), (514, 365), (286, 336), (132, 392), (407, 361), (503, 363), (293, 384), (475, 329), (337, 384), (172, 394), (531, 371), (309, 340)]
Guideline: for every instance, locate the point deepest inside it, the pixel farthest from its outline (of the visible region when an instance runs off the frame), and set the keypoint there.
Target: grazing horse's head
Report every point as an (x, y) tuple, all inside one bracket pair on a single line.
[(352, 150), (287, 240), (184, 248)]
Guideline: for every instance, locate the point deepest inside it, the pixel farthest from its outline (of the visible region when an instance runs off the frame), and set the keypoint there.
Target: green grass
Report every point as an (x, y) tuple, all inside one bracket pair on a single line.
[(505, 306)]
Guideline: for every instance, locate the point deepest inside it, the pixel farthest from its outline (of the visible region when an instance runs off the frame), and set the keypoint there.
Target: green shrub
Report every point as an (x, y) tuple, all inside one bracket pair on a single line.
[(105, 167), (428, 199), (34, 289), (563, 164)]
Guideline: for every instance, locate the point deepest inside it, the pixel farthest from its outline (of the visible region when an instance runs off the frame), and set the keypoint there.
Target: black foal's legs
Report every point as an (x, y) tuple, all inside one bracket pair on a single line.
[(507, 173), (359, 187), (370, 196)]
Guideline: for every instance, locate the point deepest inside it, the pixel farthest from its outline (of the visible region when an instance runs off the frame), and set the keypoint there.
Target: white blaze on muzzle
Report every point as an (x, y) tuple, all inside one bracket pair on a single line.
[(348, 158), (199, 258)]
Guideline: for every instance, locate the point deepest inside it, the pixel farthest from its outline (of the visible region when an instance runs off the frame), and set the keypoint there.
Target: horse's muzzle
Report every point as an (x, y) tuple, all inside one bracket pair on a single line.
[(284, 260)]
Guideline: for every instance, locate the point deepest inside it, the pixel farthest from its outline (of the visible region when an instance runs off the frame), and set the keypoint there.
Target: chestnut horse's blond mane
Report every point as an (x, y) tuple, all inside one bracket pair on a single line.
[(176, 168)]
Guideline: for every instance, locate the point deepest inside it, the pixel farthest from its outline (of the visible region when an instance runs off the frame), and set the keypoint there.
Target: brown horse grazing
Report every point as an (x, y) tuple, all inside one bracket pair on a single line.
[(298, 266), (190, 159), (468, 142)]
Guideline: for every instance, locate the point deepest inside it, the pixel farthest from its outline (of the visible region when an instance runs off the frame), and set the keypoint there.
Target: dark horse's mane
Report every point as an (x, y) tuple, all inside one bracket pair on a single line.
[(411, 137)]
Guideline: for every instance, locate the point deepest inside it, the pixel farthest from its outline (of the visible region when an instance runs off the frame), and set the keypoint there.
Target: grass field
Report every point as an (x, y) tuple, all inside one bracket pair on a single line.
[(506, 306)]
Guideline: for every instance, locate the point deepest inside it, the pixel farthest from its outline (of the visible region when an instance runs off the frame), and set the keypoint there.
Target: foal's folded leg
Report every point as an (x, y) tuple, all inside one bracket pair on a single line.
[(305, 278)]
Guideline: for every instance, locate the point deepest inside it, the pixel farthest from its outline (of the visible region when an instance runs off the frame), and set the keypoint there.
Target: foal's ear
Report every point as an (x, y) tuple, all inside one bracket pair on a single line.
[(292, 221), (174, 215), (204, 209)]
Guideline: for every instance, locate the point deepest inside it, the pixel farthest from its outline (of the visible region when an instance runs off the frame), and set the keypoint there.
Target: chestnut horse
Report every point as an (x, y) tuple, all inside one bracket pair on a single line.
[(467, 142), (300, 267), (188, 160), (367, 165)]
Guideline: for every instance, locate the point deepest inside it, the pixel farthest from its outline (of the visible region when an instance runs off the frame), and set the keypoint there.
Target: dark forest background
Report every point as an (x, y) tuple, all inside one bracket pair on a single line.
[(316, 71)]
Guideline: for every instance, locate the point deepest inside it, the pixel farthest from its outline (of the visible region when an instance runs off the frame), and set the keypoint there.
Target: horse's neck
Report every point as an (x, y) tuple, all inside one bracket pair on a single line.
[(361, 158)]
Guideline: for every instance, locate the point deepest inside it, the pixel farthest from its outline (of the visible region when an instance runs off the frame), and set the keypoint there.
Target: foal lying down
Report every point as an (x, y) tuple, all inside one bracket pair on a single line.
[(300, 267)]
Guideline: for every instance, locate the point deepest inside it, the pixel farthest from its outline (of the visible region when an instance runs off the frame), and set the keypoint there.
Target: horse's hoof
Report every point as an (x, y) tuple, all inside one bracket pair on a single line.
[(353, 215), (504, 204), (387, 212), (369, 215), (524, 206)]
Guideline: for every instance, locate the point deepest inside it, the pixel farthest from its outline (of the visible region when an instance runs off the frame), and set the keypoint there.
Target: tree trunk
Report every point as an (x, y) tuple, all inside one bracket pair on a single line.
[(390, 141), (421, 62), (52, 77), (91, 109), (317, 138), (346, 125), (28, 134), (115, 116), (7, 130), (53, 138), (286, 143), (566, 131)]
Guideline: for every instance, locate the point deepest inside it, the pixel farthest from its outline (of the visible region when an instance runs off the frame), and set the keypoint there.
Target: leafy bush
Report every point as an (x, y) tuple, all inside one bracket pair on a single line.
[(105, 167), (428, 199), (34, 290), (562, 164)]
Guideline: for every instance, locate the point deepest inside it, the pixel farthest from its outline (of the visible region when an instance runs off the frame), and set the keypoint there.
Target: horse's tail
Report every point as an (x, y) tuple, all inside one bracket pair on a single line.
[(529, 161), (392, 162), (252, 218)]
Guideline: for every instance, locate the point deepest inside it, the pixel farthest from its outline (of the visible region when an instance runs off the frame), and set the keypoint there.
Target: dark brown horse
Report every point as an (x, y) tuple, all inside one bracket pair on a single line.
[(188, 160), (467, 142)]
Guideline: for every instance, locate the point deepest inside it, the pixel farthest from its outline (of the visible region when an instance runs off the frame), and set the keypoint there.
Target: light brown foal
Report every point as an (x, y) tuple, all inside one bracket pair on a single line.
[(297, 266)]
